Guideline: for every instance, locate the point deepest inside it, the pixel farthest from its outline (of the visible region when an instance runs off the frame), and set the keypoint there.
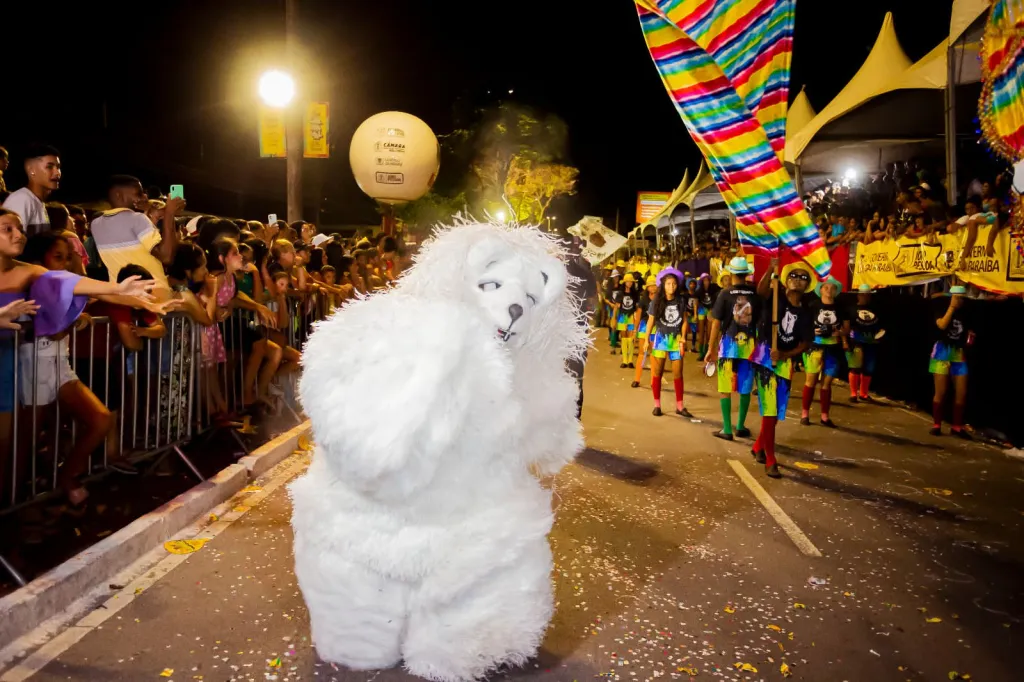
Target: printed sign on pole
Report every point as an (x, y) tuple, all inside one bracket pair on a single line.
[(315, 129), (272, 133)]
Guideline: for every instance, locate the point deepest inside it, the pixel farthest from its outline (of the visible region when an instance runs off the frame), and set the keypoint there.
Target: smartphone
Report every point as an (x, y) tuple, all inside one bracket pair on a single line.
[(177, 192)]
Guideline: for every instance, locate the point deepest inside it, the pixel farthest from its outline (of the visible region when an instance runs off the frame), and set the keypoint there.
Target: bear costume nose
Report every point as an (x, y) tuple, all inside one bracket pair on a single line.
[(515, 311)]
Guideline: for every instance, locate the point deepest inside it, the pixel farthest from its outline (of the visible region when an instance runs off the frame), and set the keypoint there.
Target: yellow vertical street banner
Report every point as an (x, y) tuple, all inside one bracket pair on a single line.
[(900, 262), (315, 129), (272, 133)]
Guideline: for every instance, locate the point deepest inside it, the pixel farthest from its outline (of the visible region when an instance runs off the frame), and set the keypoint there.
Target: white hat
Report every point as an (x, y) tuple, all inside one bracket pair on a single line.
[(192, 225), (319, 239)]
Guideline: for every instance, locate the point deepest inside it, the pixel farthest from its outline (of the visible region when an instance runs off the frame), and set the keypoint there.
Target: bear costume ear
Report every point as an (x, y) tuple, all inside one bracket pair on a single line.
[(554, 276)]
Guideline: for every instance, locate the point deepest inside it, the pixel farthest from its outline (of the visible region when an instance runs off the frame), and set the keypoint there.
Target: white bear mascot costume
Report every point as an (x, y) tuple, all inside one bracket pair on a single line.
[(420, 526)]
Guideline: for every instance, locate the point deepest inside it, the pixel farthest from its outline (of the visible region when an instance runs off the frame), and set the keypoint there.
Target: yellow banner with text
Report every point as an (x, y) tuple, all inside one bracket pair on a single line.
[(903, 261)]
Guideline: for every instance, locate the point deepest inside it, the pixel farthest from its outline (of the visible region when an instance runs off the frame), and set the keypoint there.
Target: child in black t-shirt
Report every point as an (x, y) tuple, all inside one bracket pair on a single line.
[(642, 335), (949, 358), (666, 322)]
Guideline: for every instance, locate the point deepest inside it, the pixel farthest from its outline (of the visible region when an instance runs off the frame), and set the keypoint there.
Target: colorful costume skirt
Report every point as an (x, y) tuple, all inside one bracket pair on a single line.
[(824, 360), (735, 376), (772, 392), (948, 359), (667, 346), (625, 322), (861, 358)]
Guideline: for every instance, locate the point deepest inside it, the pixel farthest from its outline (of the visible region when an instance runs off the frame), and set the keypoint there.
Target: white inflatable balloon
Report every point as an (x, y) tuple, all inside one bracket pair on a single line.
[(394, 157)]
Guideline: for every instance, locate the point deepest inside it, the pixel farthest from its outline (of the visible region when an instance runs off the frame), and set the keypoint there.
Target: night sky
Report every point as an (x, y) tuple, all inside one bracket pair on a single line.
[(166, 91)]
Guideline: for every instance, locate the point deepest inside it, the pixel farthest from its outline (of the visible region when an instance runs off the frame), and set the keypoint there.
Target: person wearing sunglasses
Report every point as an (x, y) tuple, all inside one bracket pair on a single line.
[(793, 332)]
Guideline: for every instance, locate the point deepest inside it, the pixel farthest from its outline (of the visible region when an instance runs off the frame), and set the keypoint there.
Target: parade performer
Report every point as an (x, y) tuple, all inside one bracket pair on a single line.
[(641, 329), (949, 359), (583, 287), (666, 323), (865, 331), (824, 360), (793, 332), (420, 526), (625, 314), (733, 340), (692, 311), (706, 293), (613, 296)]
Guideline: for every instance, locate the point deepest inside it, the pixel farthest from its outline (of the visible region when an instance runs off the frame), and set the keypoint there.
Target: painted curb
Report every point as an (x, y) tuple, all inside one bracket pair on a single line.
[(52, 592), (272, 453)]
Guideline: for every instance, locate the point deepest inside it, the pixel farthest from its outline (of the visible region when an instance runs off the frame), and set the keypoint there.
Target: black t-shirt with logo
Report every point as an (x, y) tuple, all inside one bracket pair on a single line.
[(615, 296), (671, 320), (795, 324), (738, 308), (828, 317), (691, 305), (864, 323), (645, 303), (628, 303), (956, 333), (707, 296)]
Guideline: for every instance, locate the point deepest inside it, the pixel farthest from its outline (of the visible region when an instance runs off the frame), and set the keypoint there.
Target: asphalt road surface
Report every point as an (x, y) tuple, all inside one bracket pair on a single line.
[(667, 565)]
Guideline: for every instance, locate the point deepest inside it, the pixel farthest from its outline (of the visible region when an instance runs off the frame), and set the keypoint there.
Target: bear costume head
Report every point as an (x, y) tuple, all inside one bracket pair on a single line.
[(461, 364)]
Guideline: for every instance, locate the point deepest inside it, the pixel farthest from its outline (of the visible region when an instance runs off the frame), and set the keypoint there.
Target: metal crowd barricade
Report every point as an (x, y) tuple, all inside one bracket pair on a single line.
[(158, 396)]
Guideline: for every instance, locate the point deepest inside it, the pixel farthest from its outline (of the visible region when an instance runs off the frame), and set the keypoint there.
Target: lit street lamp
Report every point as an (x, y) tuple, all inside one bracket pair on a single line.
[(276, 89)]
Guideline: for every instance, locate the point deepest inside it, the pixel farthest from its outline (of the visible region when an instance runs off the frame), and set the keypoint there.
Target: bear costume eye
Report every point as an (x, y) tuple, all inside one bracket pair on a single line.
[(489, 286), (532, 299)]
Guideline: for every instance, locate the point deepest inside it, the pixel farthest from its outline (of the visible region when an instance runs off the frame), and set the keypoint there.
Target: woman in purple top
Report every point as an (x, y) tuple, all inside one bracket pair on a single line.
[(57, 298)]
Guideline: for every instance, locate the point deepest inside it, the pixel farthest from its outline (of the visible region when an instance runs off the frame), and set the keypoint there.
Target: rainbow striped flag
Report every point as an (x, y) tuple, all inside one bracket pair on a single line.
[(1001, 106), (725, 64)]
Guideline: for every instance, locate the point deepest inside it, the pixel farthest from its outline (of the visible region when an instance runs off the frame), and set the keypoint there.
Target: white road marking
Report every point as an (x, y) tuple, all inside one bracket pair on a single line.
[(55, 646), (802, 542)]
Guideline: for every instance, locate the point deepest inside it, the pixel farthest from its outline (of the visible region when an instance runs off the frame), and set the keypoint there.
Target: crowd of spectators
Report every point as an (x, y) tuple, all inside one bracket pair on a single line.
[(203, 268)]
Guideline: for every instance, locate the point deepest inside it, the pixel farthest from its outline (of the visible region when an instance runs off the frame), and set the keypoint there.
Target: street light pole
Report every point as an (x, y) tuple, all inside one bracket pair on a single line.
[(293, 117)]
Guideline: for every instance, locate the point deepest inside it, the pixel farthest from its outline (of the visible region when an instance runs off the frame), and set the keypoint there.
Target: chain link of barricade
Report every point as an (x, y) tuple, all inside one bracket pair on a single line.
[(158, 398)]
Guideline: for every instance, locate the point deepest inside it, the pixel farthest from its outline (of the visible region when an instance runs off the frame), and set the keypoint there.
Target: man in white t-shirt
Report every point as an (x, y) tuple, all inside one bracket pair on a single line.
[(124, 236), (42, 166)]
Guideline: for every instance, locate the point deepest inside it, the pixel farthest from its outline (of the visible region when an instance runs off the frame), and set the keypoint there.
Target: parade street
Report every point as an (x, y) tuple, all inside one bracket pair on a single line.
[(669, 564)]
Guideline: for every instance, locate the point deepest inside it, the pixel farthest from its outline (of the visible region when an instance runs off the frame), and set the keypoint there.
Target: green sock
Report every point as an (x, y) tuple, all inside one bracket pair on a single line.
[(726, 404), (744, 406)]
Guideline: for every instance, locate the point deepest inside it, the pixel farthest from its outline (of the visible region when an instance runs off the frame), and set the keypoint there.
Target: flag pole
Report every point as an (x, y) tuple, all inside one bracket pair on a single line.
[(775, 305)]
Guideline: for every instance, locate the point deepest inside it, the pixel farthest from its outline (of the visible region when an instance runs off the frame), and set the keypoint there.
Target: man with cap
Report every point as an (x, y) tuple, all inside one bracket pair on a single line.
[(865, 331), (949, 358), (733, 340), (825, 357), (792, 331)]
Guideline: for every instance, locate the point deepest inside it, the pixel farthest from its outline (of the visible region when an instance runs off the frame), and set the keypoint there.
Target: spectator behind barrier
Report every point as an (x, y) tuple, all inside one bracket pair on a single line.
[(42, 166)]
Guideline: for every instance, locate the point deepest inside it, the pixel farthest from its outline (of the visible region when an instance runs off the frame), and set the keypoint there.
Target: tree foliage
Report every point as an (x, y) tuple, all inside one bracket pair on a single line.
[(507, 157)]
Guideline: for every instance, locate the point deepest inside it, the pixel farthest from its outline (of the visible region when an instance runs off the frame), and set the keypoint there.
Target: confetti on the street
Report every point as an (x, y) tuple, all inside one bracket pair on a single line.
[(167, 672), (933, 620), (784, 669), (184, 546), (745, 667), (805, 465)]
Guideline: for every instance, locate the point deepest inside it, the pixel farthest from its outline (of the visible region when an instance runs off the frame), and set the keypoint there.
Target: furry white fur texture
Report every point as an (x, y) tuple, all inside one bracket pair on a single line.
[(420, 527)]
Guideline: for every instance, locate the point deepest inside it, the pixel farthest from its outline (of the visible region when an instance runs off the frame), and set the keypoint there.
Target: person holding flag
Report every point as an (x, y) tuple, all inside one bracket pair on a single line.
[(785, 333), (733, 340)]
